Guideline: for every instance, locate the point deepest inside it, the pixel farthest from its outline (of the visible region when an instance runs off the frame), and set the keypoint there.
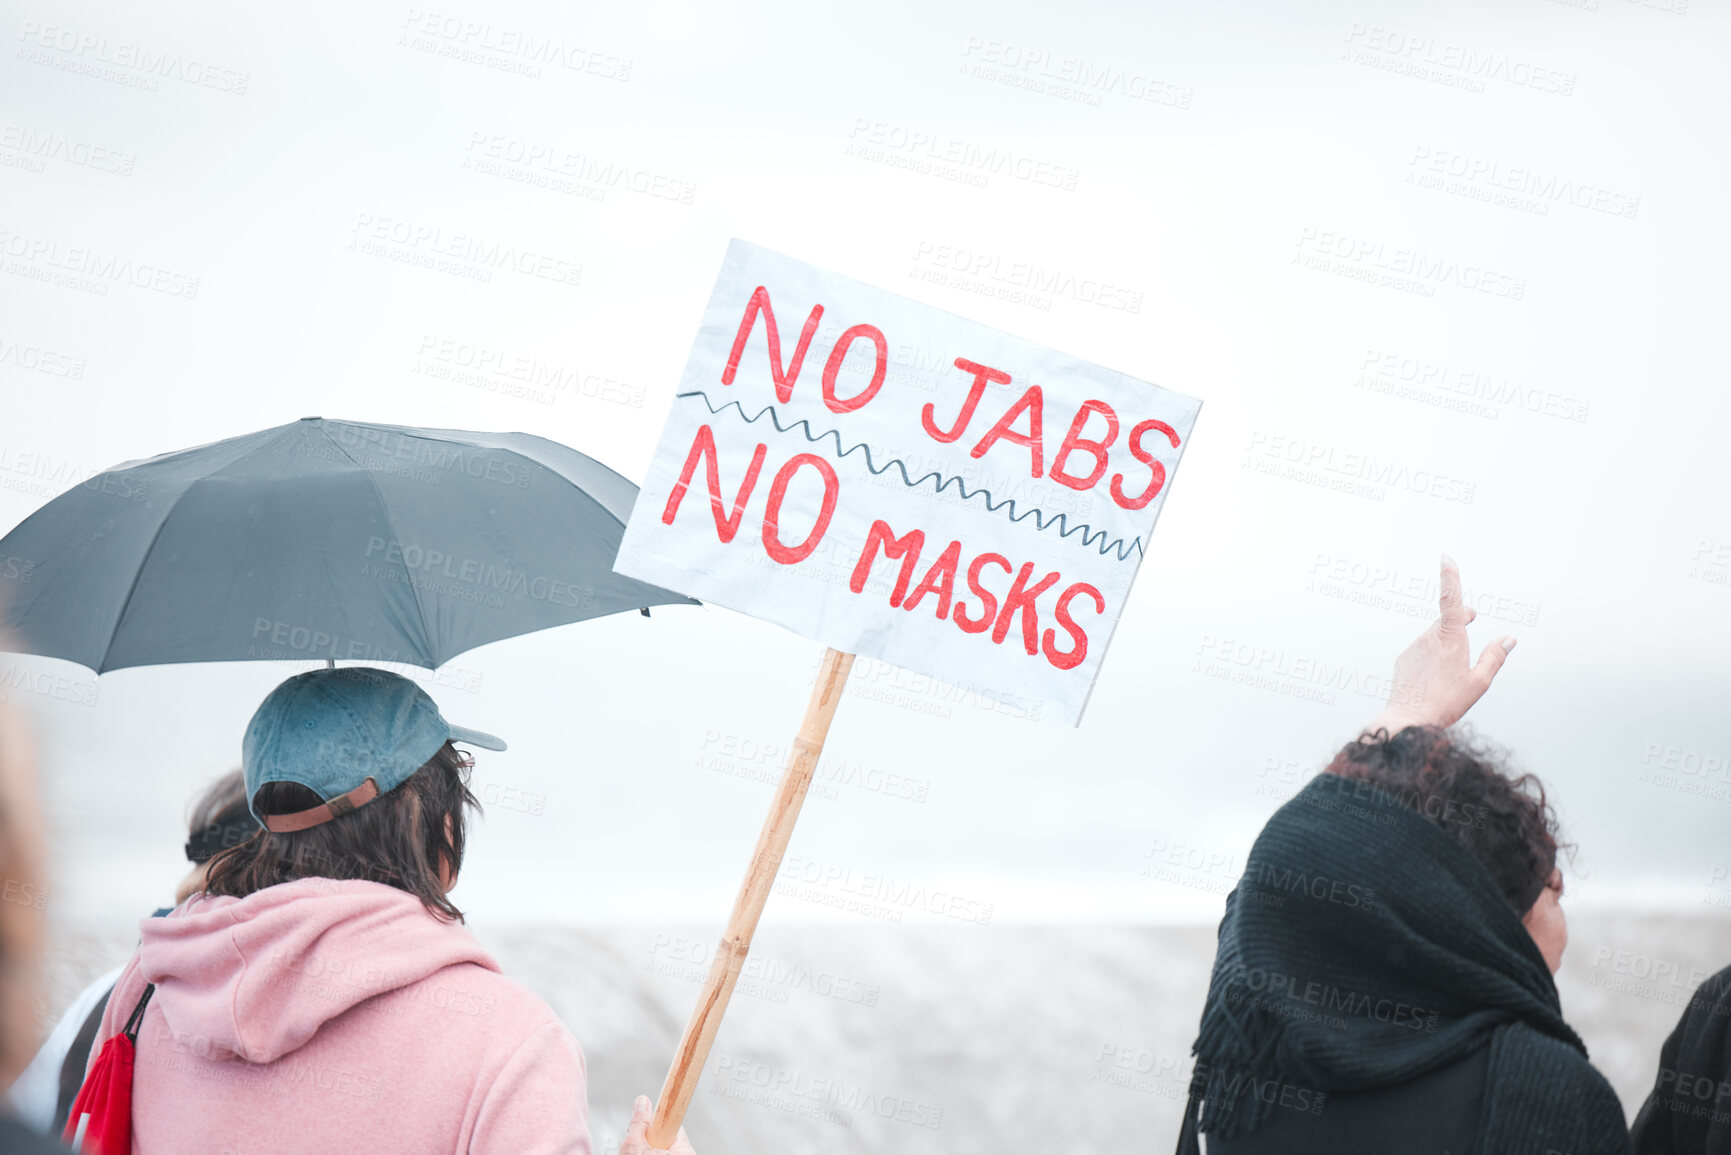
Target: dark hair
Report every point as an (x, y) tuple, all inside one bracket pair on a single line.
[(1504, 821), (399, 838), (219, 819)]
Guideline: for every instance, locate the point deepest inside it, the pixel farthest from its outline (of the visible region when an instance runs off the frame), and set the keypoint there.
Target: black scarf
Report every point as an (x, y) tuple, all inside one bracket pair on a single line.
[(1364, 947)]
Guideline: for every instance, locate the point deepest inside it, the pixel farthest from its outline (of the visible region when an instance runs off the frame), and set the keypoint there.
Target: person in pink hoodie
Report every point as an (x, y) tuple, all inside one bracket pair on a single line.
[(321, 994)]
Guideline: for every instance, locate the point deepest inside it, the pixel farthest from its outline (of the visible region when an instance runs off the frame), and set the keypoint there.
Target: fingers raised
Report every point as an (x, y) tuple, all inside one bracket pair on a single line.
[(1450, 602), (1491, 661)]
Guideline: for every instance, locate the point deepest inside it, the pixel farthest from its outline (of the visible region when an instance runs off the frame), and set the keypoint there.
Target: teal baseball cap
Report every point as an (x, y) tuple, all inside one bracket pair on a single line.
[(348, 735)]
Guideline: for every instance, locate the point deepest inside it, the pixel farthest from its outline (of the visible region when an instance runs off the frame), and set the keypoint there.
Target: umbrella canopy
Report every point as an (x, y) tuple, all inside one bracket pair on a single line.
[(321, 539)]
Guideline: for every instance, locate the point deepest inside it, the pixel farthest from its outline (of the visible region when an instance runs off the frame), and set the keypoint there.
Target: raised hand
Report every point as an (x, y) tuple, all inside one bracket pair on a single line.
[(1435, 682)]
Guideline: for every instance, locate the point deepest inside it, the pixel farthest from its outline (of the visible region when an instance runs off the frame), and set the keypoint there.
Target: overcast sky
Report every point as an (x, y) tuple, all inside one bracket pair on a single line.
[(1447, 277)]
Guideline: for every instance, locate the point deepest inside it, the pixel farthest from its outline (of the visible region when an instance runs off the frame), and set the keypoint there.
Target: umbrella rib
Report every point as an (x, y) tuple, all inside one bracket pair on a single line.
[(138, 574), (584, 493), (427, 435), (414, 592), (589, 497)]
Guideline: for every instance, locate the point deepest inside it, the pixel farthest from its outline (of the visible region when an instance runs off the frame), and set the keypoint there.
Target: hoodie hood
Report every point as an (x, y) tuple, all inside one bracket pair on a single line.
[(256, 977)]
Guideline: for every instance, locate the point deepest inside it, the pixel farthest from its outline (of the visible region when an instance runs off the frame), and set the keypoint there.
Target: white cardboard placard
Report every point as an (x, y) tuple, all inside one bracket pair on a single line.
[(899, 482)]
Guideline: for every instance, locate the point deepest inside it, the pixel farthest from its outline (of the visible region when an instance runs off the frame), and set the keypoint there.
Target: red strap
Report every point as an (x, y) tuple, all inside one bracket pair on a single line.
[(323, 812)]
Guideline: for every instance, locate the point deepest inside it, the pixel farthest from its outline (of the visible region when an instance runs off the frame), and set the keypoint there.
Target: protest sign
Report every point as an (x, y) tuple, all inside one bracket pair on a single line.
[(893, 480), (890, 479)]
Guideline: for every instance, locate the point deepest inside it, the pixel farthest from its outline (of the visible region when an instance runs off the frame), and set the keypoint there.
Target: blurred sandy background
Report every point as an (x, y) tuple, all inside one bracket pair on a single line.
[(967, 1039)]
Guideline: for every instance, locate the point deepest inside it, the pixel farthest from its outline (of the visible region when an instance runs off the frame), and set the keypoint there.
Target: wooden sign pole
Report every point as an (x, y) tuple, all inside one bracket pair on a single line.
[(693, 1052)]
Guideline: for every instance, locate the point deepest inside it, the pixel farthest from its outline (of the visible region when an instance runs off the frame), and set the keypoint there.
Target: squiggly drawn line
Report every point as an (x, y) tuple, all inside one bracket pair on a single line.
[(1041, 520)]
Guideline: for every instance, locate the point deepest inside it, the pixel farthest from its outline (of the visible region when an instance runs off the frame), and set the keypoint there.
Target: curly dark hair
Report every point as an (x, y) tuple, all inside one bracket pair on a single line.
[(1459, 784), (401, 838)]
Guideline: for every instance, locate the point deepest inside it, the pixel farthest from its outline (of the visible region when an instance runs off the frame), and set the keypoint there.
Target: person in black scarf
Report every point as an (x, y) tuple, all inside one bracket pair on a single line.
[(1383, 976)]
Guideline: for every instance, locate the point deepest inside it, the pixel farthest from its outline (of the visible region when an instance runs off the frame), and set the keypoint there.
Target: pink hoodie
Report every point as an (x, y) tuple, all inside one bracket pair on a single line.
[(322, 1016)]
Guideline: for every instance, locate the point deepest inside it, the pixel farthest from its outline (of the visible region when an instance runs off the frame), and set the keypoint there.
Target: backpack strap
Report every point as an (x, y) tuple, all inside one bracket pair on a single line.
[(137, 1019)]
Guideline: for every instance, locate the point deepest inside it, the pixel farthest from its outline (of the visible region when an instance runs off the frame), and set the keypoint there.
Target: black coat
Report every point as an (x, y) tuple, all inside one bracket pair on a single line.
[(1434, 1114), (1689, 1110)]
